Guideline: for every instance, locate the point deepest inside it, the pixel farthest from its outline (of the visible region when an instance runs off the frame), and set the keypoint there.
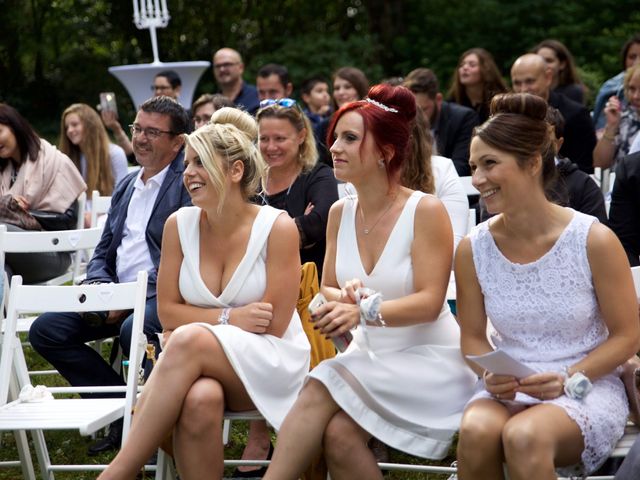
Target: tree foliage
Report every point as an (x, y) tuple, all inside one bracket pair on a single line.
[(56, 52)]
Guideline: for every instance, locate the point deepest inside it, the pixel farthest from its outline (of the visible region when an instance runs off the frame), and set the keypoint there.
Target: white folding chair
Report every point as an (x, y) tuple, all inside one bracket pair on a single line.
[(85, 415), (469, 189), (55, 241), (100, 205)]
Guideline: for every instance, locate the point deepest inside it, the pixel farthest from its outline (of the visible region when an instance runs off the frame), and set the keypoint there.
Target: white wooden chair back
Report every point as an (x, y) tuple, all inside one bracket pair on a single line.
[(100, 205), (469, 189), (53, 241), (86, 415)]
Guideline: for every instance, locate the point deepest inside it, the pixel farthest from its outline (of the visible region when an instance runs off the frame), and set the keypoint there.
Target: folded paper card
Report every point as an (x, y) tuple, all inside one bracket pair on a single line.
[(501, 363)]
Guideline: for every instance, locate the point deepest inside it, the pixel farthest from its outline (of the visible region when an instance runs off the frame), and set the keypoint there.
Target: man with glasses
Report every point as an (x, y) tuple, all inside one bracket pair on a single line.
[(227, 70), (130, 242)]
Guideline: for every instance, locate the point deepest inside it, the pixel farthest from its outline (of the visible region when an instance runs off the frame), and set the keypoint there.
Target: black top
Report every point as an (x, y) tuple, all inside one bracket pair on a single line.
[(452, 131), (624, 213), (318, 187), (579, 134)]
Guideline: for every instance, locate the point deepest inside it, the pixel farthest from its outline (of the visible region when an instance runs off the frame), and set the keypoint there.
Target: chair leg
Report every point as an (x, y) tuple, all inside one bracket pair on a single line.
[(164, 467), (22, 443), (226, 429)]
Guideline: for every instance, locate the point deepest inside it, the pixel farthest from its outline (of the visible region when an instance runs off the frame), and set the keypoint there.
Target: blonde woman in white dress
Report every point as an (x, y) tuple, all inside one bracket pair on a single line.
[(228, 286)]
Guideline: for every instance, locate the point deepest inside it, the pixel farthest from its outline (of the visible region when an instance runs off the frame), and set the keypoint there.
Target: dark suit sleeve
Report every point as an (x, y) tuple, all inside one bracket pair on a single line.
[(580, 140), (624, 213), (592, 200), (462, 141)]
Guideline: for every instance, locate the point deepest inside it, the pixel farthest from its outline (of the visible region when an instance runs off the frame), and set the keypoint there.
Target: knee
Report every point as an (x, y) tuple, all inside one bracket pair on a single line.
[(340, 436), (43, 332), (203, 407), (521, 438), (478, 429), (313, 394), (185, 344)]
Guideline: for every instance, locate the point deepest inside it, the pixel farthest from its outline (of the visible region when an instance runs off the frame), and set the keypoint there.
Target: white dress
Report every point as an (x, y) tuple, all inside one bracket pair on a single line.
[(271, 369), (411, 396), (546, 314)]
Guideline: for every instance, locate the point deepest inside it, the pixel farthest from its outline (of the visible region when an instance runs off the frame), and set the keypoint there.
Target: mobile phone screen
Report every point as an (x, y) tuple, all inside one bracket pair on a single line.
[(108, 102)]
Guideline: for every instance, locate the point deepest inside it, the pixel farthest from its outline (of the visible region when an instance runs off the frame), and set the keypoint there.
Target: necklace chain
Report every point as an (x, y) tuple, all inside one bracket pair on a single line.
[(366, 230)]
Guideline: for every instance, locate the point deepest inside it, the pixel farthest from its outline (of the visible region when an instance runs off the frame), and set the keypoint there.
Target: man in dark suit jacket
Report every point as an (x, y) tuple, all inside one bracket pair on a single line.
[(624, 213), (130, 242), (451, 124), (531, 74)]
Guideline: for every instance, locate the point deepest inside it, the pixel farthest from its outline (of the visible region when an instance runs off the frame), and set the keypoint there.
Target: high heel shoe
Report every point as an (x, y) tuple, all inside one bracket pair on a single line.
[(257, 473)]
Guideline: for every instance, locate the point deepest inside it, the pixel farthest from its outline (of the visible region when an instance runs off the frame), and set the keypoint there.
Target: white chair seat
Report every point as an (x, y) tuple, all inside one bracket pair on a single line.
[(85, 415)]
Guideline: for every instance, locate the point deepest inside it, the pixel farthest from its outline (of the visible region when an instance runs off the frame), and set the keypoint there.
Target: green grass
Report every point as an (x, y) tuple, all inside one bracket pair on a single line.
[(71, 447)]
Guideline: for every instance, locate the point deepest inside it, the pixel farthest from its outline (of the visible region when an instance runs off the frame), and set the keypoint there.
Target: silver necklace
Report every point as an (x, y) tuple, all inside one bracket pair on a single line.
[(366, 230)]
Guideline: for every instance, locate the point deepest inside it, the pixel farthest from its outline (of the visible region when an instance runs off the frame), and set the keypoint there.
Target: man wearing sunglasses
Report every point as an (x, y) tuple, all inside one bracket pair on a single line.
[(130, 242), (227, 70)]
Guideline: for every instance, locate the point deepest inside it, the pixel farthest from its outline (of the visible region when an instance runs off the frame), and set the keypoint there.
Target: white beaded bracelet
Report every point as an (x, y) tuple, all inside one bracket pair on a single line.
[(223, 319)]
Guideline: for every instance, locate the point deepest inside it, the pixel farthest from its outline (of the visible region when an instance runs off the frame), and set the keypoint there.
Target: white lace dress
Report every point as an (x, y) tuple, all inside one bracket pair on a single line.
[(412, 394), (545, 314), (272, 369)]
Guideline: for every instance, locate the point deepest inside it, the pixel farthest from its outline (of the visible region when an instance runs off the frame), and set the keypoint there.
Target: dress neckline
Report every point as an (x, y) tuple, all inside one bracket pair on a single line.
[(542, 257), (238, 267), (387, 242)]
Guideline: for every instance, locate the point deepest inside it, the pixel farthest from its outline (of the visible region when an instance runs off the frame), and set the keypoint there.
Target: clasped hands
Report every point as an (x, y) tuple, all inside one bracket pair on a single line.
[(338, 317), (543, 386)]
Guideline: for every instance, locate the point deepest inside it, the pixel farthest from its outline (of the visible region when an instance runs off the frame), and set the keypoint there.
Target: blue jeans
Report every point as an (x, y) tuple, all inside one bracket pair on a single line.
[(61, 339)]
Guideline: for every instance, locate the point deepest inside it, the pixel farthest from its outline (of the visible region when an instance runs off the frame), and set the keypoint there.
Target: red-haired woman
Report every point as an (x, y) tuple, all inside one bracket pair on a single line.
[(402, 379), (475, 81)]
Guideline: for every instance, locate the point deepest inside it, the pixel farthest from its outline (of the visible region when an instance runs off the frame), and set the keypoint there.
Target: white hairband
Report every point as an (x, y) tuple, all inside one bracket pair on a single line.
[(381, 105)]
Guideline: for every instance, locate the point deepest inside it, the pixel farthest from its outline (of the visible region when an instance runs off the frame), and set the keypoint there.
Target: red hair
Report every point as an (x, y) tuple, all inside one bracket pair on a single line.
[(389, 129)]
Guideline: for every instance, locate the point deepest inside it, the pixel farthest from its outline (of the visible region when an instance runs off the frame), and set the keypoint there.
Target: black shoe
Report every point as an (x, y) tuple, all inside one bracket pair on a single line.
[(258, 473), (111, 442)]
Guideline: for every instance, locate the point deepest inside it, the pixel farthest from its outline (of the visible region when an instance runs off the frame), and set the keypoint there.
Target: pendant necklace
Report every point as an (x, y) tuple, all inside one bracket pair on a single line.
[(366, 230)]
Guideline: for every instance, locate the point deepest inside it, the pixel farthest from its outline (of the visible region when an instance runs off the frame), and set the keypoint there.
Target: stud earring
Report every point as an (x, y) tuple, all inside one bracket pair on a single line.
[(381, 163)]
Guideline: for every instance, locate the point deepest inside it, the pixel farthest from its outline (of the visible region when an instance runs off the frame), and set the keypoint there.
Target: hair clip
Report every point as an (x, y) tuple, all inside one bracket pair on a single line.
[(381, 105)]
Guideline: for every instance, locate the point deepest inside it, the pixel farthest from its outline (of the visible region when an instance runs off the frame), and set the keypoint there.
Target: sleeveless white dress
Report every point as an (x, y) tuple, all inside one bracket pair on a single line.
[(271, 369), (546, 314), (412, 394)]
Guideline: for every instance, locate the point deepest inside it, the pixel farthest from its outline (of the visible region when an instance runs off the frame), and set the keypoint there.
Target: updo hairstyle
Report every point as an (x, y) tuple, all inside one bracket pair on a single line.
[(389, 128), (231, 135), (517, 126)]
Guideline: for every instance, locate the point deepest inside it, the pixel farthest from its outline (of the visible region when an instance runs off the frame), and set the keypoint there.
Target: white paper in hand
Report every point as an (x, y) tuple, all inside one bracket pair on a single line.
[(501, 363)]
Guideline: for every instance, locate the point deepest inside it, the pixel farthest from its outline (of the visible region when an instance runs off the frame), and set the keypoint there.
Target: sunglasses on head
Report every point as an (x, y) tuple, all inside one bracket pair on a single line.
[(282, 102)]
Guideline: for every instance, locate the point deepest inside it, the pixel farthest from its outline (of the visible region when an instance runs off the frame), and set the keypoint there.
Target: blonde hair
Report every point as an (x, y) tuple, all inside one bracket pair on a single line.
[(231, 135), (94, 146), (307, 152), (628, 75)]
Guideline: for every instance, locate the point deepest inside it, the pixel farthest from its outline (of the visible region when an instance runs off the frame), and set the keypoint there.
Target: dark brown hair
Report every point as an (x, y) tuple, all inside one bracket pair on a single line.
[(492, 81), (416, 172), (569, 75), (26, 137), (356, 78), (517, 126)]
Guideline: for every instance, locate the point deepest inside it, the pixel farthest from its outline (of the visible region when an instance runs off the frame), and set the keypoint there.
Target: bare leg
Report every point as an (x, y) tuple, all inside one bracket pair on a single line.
[(480, 453), (197, 438), (346, 450), (258, 443), (538, 439), (193, 352), (300, 437)]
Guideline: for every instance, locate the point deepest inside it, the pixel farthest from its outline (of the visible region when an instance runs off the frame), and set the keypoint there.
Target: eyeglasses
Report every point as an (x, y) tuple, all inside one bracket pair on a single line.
[(160, 88), (220, 66), (149, 132), (282, 102)]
